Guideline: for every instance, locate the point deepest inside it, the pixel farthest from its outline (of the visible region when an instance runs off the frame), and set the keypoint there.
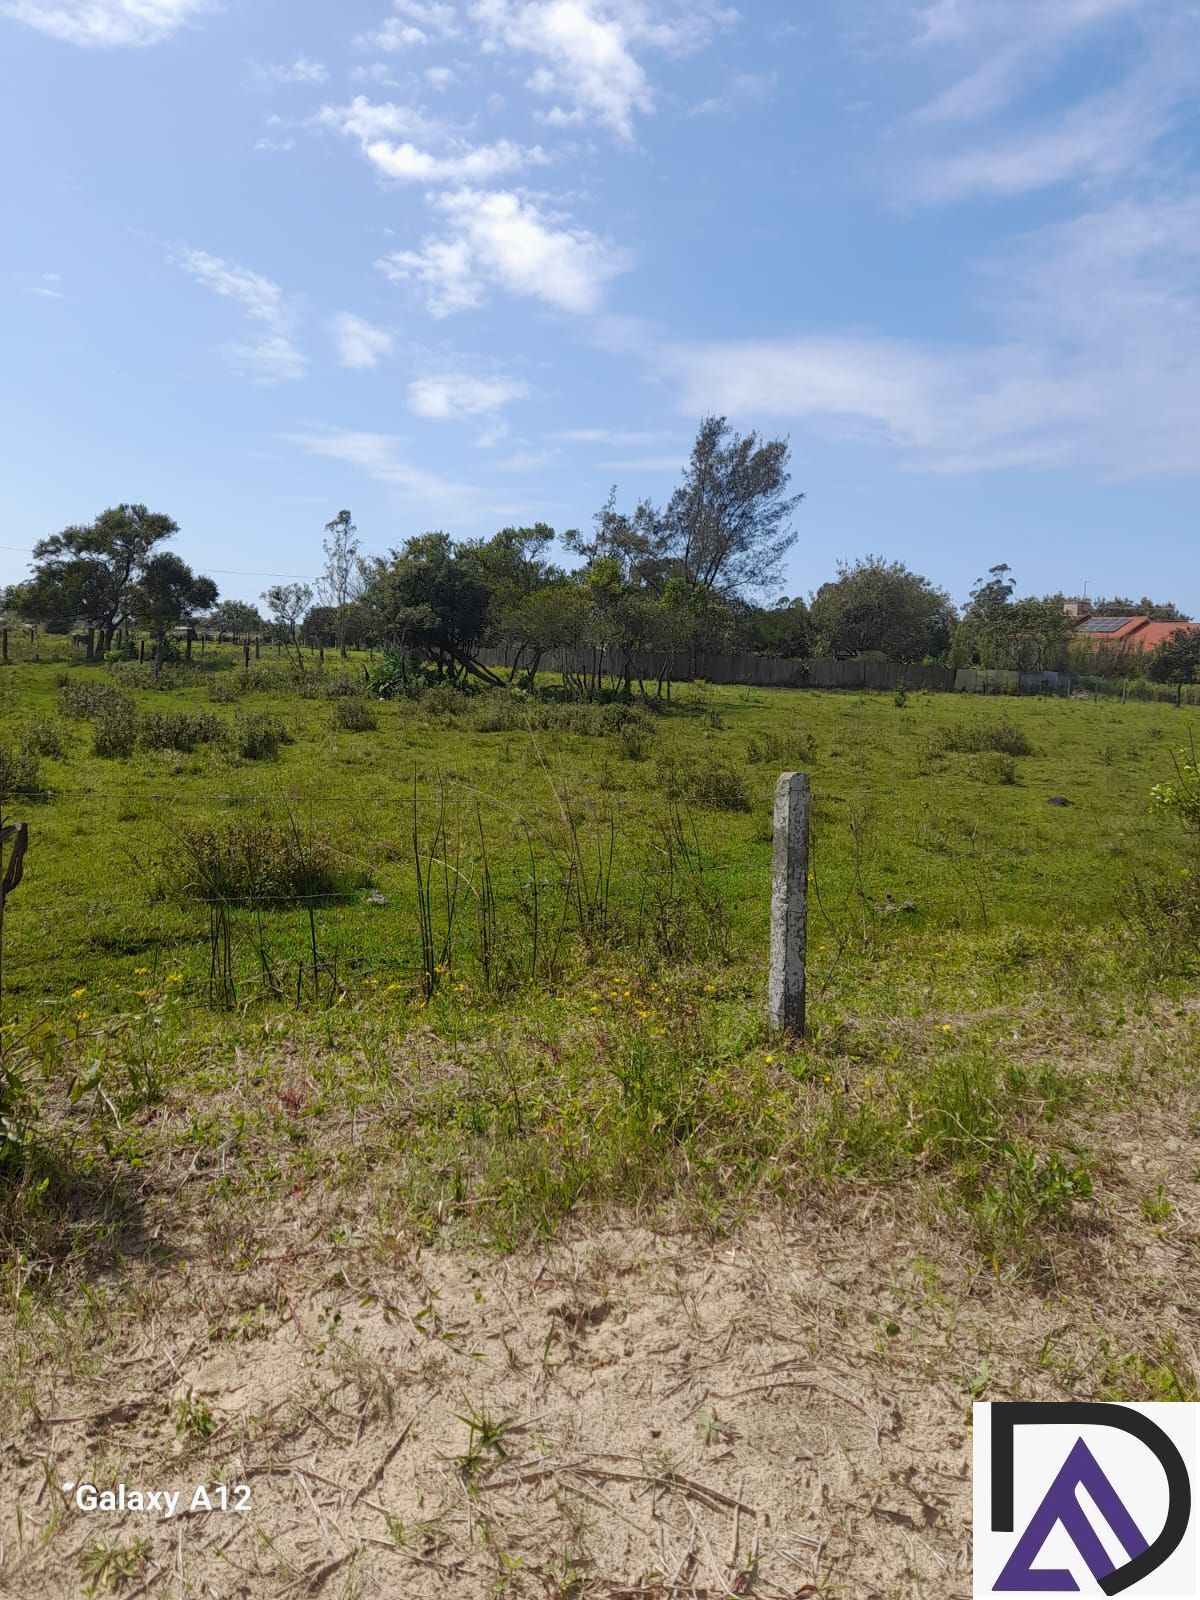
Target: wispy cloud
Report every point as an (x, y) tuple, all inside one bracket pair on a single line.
[(457, 394), (385, 458), (452, 160), (501, 238), (302, 70), (359, 343), (612, 437), (585, 50), (744, 91), (413, 23), (1098, 364), (105, 23), (271, 354)]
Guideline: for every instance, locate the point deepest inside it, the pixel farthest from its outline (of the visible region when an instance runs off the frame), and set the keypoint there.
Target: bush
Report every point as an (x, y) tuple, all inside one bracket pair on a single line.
[(342, 684), (115, 734), (715, 784), (253, 861), (355, 715), (974, 738), (258, 735), (20, 775), (179, 730), (44, 736), (992, 767), (88, 697), (784, 751)]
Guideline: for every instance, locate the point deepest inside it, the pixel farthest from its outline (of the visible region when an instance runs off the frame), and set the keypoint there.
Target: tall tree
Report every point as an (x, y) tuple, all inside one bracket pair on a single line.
[(1176, 660), (93, 568), (167, 594), (880, 606), (287, 603), (337, 582), (728, 524)]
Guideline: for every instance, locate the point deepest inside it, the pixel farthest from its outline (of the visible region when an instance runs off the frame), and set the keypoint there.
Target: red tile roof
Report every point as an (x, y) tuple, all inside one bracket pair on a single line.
[(1130, 633)]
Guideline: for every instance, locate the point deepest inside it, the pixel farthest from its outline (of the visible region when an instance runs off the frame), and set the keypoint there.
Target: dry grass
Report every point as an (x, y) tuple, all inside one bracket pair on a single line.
[(779, 1410)]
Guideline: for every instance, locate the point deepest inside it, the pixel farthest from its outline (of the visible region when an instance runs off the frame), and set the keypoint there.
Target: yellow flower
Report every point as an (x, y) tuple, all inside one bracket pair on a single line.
[(946, 1028), (769, 1060), (710, 988), (140, 972), (75, 993), (643, 1014), (82, 1016), (826, 1079), (174, 977), (392, 988)]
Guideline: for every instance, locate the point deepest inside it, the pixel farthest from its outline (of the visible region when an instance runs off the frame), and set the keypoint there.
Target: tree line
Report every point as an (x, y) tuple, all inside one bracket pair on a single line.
[(655, 584)]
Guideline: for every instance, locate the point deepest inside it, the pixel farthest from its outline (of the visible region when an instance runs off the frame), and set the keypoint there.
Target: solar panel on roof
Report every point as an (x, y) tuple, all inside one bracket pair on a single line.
[(1104, 624)]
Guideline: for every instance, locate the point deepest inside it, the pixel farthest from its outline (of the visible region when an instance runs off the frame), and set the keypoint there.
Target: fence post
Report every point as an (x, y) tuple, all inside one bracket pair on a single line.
[(789, 905)]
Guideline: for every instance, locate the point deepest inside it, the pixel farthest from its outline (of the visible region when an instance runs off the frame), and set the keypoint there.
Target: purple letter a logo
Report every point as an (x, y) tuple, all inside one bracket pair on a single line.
[(1080, 1469), (1060, 1507)]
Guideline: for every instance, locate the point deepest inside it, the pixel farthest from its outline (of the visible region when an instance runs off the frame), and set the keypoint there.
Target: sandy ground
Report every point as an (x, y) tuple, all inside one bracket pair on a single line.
[(780, 1412)]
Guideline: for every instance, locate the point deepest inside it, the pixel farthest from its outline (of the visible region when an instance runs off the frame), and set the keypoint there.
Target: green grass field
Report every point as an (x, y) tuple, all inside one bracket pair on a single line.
[(423, 1063), (575, 898)]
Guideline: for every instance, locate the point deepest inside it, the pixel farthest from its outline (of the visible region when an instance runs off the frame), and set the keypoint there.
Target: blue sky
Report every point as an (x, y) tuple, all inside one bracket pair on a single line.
[(463, 264)]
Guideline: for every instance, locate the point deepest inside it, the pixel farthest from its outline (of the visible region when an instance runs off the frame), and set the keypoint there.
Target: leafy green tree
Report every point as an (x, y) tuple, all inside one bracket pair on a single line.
[(880, 607), (429, 599), (89, 572), (338, 581), (237, 618), (1176, 660), (783, 631), (727, 527), (167, 594), (288, 604)]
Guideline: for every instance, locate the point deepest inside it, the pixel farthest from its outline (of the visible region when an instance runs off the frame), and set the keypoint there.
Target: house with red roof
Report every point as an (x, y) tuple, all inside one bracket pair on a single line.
[(1128, 635)]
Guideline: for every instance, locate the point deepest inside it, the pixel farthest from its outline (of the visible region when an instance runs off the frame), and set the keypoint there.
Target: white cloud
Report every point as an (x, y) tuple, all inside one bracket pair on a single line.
[(502, 238), (1099, 138), (455, 161), (415, 22), (745, 90), (453, 395), (302, 70), (1001, 50), (1098, 363), (359, 343), (439, 78), (272, 355), (103, 23), (585, 50), (611, 437), (383, 457), (409, 164)]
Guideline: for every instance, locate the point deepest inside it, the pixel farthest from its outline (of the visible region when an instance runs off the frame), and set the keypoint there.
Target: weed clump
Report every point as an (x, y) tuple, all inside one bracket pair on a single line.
[(974, 738), (994, 767), (44, 736), (179, 730), (354, 714), (259, 735), (715, 784), (254, 861), (20, 774), (115, 729)]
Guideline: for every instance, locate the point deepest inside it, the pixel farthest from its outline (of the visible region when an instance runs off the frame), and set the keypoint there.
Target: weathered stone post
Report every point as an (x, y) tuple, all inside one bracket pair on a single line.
[(789, 905)]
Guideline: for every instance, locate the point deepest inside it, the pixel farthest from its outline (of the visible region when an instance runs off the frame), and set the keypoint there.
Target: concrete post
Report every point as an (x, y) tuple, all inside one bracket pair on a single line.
[(789, 905)]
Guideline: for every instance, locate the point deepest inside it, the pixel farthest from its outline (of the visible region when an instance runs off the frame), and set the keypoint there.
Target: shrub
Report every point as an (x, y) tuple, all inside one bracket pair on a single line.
[(354, 715), (115, 733), (974, 738), (88, 697), (179, 730), (44, 736), (715, 784), (782, 750), (993, 767), (258, 735), (254, 861), (342, 684), (20, 774)]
